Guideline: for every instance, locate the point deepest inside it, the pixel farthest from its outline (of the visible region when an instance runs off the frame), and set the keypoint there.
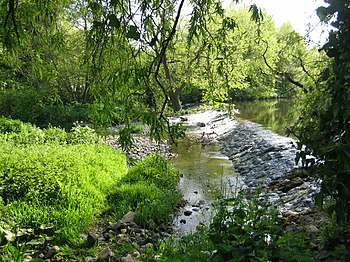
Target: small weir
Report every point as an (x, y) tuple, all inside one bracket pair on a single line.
[(242, 154)]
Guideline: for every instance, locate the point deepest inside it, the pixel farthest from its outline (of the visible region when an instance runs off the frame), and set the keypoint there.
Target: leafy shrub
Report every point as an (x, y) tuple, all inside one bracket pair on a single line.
[(63, 116), (82, 135), (10, 126), (39, 108), (249, 228), (151, 204), (23, 133), (23, 104), (243, 229)]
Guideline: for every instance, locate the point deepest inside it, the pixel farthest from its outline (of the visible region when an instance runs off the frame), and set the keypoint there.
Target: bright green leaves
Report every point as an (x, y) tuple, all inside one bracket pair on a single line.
[(133, 33)]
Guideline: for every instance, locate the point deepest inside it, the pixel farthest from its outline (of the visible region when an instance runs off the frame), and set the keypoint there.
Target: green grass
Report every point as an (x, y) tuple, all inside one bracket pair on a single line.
[(150, 190), (54, 185), (63, 185)]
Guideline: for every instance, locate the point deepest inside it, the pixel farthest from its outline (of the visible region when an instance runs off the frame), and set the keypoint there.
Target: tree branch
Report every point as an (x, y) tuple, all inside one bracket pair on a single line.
[(283, 74), (165, 45)]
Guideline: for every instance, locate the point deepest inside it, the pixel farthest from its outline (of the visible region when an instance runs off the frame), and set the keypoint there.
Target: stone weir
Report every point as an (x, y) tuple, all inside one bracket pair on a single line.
[(261, 158), (267, 160)]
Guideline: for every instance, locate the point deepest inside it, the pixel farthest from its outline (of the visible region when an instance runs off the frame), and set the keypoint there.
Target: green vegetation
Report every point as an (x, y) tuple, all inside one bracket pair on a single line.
[(323, 128), (54, 185), (245, 228), (108, 62), (105, 63), (148, 189)]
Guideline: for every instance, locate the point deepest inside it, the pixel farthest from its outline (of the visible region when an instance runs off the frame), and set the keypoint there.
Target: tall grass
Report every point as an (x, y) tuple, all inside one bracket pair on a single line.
[(50, 177), (63, 185), (57, 183)]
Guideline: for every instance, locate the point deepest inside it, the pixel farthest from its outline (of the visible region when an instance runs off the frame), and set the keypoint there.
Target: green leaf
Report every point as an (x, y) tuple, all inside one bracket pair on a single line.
[(97, 24), (114, 21), (323, 13), (257, 15), (114, 3), (133, 33)]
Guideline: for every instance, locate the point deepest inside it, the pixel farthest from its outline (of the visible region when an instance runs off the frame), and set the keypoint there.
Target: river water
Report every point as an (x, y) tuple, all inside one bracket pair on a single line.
[(210, 168), (275, 115)]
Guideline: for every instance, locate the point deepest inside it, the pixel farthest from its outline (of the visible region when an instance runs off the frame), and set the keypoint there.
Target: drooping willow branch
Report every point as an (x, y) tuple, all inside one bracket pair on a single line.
[(286, 75)]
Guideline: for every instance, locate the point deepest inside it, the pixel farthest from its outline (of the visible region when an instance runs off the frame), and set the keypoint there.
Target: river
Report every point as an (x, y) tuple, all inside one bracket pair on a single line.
[(249, 151)]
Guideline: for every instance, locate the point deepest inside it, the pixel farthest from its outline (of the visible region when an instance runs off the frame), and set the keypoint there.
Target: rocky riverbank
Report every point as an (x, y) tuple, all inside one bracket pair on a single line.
[(264, 159), (260, 158), (144, 146)]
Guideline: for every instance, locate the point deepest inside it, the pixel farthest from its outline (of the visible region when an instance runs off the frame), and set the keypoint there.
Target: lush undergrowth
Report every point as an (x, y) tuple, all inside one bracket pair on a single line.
[(245, 228), (149, 189), (54, 185)]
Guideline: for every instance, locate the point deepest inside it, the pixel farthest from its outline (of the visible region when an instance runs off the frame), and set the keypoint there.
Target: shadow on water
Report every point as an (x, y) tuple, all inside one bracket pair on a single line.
[(276, 115)]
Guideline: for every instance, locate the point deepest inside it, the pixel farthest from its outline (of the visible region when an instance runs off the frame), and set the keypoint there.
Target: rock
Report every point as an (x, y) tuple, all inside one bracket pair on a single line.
[(27, 258), (188, 213), (148, 245), (116, 226), (51, 252), (106, 254), (183, 119), (89, 259), (92, 239), (199, 203), (128, 217), (128, 258)]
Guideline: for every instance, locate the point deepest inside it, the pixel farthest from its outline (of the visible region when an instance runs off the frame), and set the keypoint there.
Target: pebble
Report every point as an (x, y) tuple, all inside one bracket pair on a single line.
[(188, 212)]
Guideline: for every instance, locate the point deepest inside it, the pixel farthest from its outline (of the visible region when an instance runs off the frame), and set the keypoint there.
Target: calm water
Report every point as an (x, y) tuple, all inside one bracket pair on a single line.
[(276, 115), (205, 173)]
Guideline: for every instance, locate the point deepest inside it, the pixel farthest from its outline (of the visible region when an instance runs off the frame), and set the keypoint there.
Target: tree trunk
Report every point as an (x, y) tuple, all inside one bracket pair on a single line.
[(174, 95), (175, 98)]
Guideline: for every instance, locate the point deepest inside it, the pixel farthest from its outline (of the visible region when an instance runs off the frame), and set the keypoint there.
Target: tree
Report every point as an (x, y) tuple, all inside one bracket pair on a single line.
[(324, 129)]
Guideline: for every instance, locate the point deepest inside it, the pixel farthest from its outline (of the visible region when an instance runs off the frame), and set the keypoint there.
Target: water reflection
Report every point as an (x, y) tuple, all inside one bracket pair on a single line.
[(205, 173), (276, 115), (204, 169)]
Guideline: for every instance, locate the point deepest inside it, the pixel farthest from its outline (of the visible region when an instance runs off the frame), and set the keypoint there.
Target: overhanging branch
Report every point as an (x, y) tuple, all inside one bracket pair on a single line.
[(286, 75)]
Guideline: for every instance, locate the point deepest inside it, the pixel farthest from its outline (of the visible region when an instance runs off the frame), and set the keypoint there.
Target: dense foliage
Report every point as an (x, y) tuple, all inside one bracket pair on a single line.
[(149, 190), (245, 228), (323, 129), (116, 62), (134, 61)]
